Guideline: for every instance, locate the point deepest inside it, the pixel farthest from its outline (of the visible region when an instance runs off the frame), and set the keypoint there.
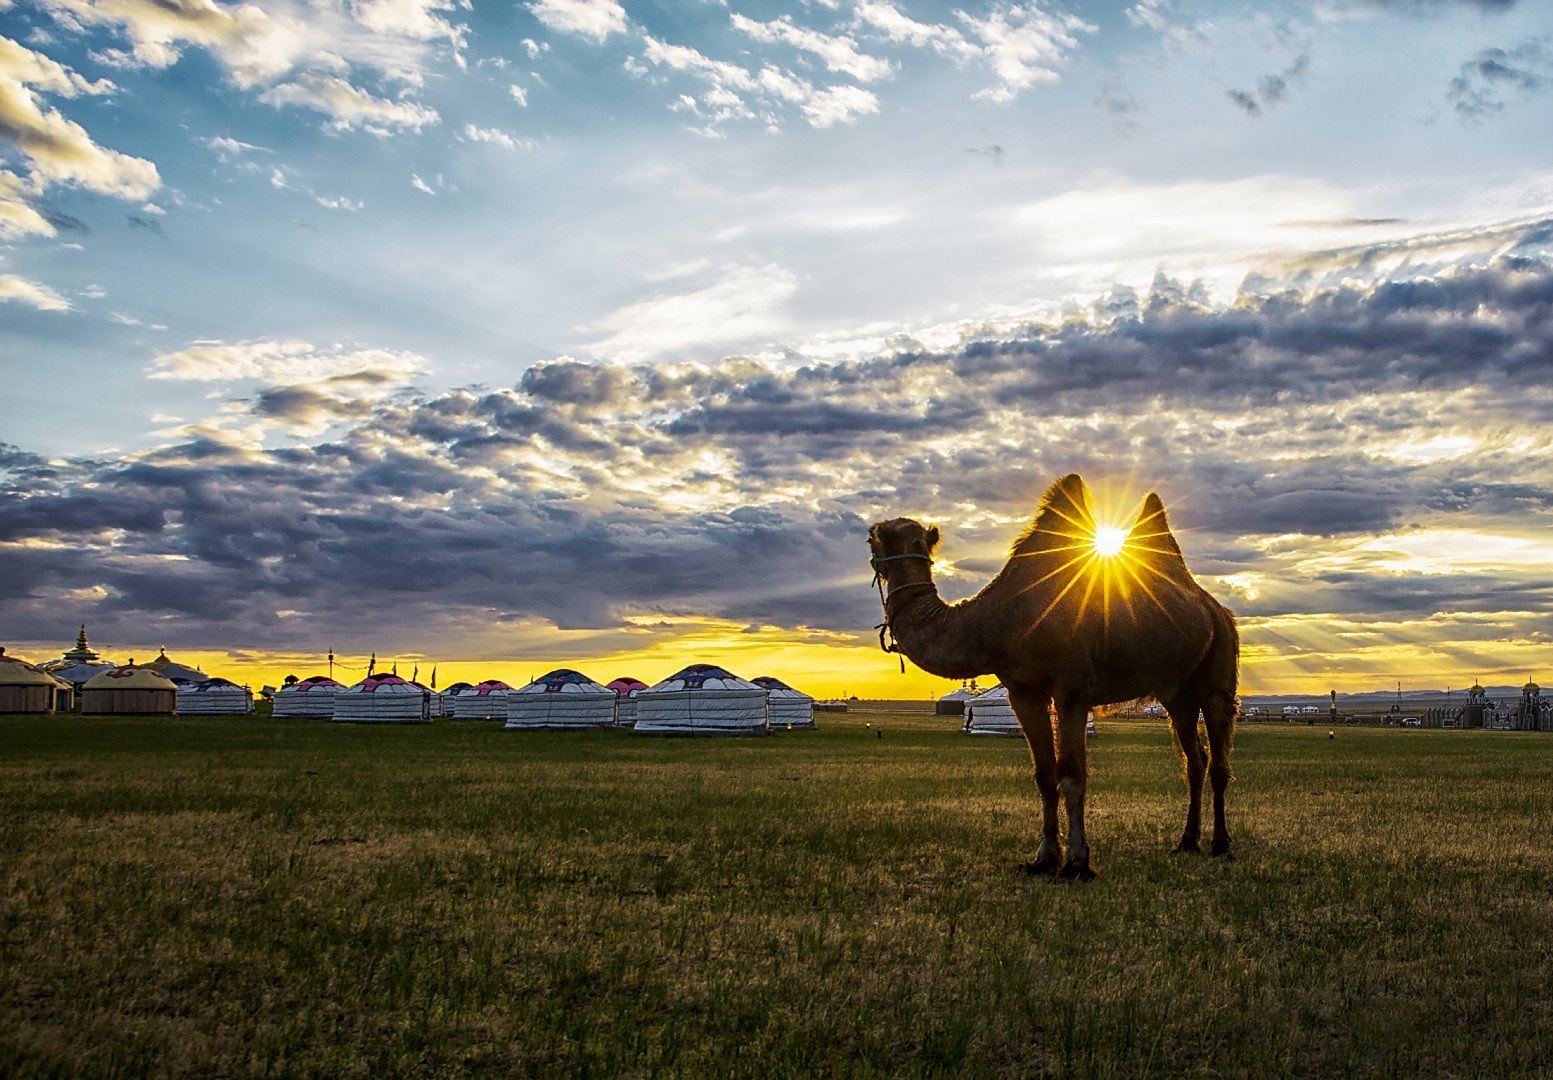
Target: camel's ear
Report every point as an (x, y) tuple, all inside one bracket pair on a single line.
[(1069, 494), (1152, 529), (932, 538)]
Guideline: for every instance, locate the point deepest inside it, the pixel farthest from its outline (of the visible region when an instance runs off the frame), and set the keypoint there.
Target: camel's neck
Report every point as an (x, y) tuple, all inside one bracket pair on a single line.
[(941, 640)]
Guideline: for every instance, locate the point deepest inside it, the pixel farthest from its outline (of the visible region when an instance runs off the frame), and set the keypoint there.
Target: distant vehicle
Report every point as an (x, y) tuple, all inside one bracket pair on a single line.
[(1411, 721), (1153, 710)]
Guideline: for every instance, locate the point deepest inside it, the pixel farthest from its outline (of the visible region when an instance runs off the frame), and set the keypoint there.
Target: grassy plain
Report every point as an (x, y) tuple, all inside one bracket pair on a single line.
[(250, 896)]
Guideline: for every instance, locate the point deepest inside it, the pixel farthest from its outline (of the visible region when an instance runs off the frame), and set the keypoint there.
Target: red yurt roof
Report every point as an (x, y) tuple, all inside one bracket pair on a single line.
[(624, 685)]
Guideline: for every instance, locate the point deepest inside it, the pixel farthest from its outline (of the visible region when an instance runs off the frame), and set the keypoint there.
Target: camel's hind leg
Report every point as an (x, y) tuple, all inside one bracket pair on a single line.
[(1183, 720), (1219, 713), (1215, 684), (1032, 705)]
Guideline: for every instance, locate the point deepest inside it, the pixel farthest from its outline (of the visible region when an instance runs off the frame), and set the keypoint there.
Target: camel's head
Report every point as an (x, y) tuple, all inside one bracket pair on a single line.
[(900, 543)]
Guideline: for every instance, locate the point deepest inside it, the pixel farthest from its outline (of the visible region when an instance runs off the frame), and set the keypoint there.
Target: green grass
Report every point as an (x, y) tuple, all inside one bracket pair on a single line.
[(216, 896)]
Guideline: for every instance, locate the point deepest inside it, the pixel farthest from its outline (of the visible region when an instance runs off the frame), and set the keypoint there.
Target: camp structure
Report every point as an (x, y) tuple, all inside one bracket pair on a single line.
[(954, 702), (483, 701), (561, 699), (129, 690), (383, 699), (703, 699), (991, 714), (311, 698), (444, 704), (169, 668), (28, 689), (626, 689), (787, 708), (78, 665), (212, 697)]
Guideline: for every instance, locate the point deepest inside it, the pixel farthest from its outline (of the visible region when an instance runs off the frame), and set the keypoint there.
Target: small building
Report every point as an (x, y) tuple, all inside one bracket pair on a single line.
[(310, 698), (129, 690), (1529, 717), (954, 702), (626, 689), (78, 665), (992, 714), (213, 697), (28, 689), (702, 699), (171, 669), (484, 701), (788, 708), (383, 699), (564, 699)]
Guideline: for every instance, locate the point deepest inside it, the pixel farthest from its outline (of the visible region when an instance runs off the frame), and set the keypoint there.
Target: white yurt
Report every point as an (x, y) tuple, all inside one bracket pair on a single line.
[(954, 702), (312, 698), (991, 714), (383, 699), (703, 699), (483, 701), (562, 699), (442, 704), (787, 708), (212, 697), (626, 689)]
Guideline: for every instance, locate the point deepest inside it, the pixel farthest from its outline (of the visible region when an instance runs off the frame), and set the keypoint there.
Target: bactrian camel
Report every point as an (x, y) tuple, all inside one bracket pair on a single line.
[(1080, 616)]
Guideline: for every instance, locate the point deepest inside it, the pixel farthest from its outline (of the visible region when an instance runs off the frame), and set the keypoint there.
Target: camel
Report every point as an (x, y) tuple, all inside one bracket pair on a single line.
[(1081, 615)]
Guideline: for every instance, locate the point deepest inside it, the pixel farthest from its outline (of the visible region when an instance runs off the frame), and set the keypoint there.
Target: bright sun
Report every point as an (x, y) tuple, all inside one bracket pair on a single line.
[(1109, 540)]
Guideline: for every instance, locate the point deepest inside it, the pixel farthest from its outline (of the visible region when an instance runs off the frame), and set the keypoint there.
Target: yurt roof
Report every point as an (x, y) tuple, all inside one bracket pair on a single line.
[(130, 677), (698, 676), (384, 684), (625, 685), (997, 693), (963, 693), (1530, 687), (458, 688), (312, 682), (490, 686), (771, 682), (174, 670), (564, 681), (15, 671), (216, 683)]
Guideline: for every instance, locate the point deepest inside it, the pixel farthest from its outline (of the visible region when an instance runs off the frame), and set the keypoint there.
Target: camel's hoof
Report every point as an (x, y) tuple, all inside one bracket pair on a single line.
[(1076, 872), (1188, 847), (1040, 867), (1221, 849)]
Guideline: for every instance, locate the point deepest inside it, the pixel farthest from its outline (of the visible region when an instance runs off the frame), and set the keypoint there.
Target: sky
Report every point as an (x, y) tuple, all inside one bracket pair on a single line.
[(502, 336)]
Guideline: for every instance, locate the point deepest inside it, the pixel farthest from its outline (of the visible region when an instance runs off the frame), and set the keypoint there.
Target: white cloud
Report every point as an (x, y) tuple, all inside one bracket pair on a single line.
[(420, 185), (295, 47), (280, 363), (1023, 44), (837, 51), (735, 93), (22, 291), (349, 106), (18, 218), (745, 304), (839, 105), (595, 19), (58, 150), (497, 137), (229, 149), (340, 203), (519, 94)]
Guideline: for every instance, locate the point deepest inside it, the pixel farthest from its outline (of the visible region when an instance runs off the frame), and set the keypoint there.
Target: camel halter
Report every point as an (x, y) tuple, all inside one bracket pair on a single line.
[(884, 628)]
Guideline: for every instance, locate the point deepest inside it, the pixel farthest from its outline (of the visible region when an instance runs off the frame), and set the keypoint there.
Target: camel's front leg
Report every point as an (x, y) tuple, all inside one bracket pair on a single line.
[(1072, 773), (1032, 704)]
